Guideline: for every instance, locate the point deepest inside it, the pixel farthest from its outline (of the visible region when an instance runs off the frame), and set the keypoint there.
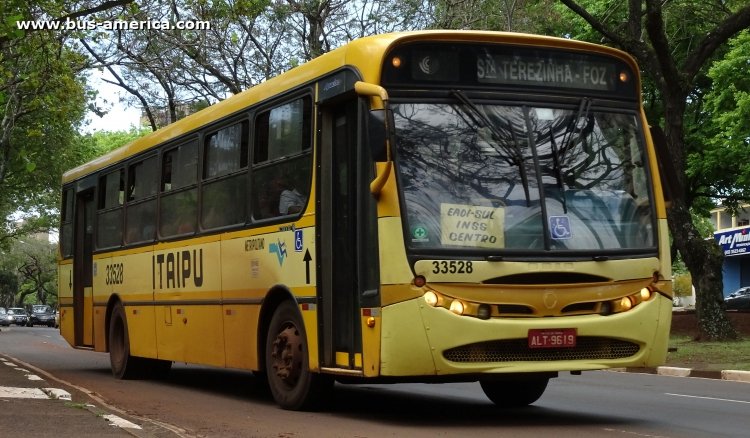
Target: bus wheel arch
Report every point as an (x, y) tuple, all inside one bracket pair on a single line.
[(285, 357), (272, 300)]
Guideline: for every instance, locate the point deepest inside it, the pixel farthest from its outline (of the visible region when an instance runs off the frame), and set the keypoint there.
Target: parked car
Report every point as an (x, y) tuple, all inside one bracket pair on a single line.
[(41, 314), (739, 299), (18, 316), (4, 317)]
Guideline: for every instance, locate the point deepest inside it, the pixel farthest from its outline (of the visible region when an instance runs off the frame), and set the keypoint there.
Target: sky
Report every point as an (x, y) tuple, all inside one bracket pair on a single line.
[(119, 117)]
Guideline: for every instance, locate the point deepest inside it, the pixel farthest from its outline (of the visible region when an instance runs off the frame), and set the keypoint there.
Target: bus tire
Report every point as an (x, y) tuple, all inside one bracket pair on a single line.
[(290, 381), (514, 393), (124, 366)]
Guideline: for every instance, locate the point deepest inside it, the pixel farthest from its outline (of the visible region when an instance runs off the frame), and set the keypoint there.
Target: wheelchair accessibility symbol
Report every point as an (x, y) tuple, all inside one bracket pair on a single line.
[(559, 227)]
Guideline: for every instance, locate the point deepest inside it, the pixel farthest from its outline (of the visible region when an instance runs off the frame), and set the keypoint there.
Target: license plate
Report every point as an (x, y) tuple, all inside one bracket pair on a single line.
[(552, 338)]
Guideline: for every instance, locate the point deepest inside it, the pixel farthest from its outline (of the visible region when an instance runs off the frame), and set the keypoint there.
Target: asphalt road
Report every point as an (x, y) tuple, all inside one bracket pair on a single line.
[(201, 401)]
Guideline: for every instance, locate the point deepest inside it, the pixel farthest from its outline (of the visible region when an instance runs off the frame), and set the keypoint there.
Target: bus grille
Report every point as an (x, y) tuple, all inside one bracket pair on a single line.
[(517, 350)]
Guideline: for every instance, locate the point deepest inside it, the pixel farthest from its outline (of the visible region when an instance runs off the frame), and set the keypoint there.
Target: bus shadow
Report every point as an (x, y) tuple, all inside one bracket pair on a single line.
[(397, 405), (400, 408)]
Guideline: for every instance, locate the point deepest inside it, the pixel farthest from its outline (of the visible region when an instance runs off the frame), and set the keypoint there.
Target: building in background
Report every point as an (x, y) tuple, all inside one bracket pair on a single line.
[(733, 235)]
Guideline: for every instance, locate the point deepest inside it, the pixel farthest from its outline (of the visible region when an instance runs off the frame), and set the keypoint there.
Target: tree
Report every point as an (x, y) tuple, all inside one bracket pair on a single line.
[(8, 287), (249, 41), (674, 54), (726, 134), (538, 16), (42, 101), (43, 98), (28, 272)]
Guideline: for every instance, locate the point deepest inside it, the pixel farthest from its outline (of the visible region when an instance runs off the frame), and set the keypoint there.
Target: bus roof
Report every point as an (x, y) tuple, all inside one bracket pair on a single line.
[(364, 54)]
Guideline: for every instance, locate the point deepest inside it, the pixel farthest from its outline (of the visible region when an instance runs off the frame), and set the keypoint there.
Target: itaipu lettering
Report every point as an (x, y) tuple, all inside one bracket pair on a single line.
[(177, 269)]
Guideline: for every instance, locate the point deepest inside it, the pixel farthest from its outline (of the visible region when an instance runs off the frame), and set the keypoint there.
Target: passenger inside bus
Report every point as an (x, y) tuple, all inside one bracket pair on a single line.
[(290, 200)]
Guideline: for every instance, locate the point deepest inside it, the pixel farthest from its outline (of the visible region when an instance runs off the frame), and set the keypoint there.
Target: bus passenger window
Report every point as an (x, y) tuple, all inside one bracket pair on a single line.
[(140, 219), (66, 223), (225, 177), (282, 163), (178, 210), (109, 216)]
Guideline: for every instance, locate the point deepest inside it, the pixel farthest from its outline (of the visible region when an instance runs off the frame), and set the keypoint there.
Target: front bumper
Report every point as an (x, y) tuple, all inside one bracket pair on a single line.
[(420, 340)]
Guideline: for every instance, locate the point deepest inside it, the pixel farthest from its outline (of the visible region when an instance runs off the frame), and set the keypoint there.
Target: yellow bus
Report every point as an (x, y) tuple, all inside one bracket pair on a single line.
[(432, 206)]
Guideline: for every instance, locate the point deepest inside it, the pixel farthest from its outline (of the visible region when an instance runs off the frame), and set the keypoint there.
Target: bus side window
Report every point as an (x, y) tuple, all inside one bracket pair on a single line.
[(282, 165), (66, 223), (140, 217), (179, 198), (109, 216), (225, 177)]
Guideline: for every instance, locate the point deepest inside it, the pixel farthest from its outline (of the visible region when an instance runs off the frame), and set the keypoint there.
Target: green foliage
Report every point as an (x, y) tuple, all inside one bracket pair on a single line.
[(722, 164), (28, 272), (42, 103), (105, 141), (682, 284), (8, 287)]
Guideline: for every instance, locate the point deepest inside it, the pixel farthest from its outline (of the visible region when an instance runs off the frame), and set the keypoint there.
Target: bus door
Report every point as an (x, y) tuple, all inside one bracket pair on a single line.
[(346, 219), (83, 298)]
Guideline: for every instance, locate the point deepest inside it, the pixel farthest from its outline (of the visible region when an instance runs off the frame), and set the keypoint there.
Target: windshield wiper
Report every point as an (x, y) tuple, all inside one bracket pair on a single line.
[(480, 119), (583, 113), (558, 154), (558, 170)]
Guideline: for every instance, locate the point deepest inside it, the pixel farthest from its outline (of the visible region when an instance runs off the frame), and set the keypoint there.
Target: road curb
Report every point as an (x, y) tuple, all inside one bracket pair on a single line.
[(736, 375), (730, 375)]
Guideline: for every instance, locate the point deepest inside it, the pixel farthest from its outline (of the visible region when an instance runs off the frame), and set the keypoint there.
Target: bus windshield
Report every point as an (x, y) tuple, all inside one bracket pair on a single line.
[(512, 178)]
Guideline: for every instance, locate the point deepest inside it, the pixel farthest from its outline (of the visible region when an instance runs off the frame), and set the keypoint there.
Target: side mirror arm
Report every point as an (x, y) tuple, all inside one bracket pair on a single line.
[(383, 169)]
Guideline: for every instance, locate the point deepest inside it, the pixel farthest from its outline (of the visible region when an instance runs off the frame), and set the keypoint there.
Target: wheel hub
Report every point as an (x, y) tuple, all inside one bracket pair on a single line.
[(287, 355)]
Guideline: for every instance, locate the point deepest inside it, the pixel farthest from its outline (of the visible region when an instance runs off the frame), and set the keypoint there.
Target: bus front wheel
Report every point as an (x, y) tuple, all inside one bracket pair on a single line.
[(514, 393), (292, 384)]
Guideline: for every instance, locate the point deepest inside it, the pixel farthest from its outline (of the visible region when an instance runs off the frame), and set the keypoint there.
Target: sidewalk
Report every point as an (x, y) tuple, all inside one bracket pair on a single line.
[(31, 405)]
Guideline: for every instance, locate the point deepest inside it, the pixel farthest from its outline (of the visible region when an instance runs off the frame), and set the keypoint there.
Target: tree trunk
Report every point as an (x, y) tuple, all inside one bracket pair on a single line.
[(703, 259)]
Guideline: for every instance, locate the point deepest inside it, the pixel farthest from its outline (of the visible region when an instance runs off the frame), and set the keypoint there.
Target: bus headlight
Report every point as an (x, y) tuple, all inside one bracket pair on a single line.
[(430, 298), (457, 307), (645, 294), (626, 303)]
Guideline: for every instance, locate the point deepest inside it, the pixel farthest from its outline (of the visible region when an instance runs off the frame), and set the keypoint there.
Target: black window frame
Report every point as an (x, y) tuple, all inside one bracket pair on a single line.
[(133, 204), (106, 209), (264, 197), (188, 225), (217, 211)]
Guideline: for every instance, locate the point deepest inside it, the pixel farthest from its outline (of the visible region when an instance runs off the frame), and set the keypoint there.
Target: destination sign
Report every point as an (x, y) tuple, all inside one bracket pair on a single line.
[(570, 71), (451, 65)]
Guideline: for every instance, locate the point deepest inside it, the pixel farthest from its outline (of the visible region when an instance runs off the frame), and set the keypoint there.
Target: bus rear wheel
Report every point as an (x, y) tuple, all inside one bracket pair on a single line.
[(124, 366), (514, 393), (292, 384)]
